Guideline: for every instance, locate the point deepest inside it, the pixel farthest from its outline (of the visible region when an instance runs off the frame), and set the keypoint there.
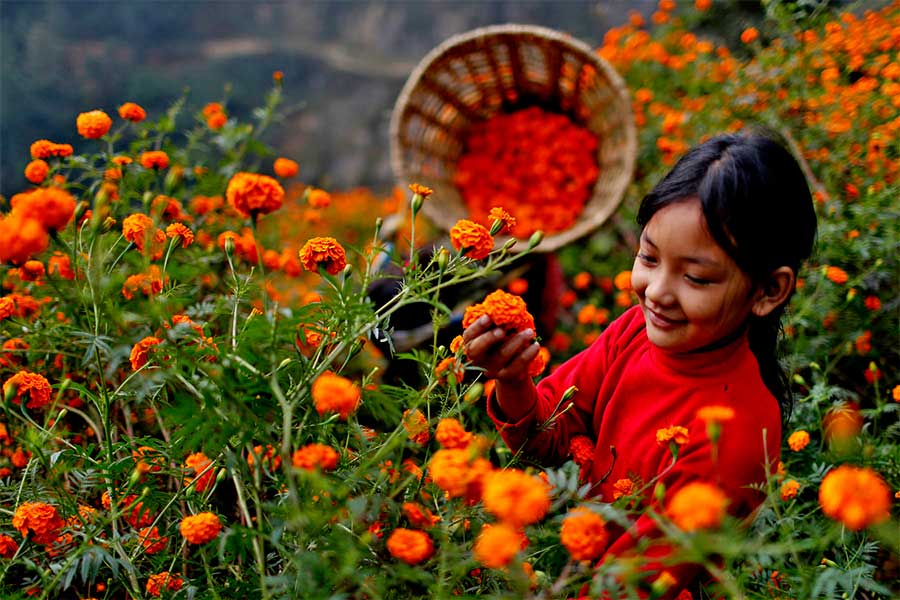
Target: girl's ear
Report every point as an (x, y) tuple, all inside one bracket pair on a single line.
[(774, 292)]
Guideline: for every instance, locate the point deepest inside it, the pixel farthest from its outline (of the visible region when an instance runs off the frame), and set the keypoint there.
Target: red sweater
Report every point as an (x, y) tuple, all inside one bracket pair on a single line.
[(627, 390)]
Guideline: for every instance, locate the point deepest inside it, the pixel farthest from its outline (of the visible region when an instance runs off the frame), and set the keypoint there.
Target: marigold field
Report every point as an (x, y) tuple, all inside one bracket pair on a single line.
[(195, 402)]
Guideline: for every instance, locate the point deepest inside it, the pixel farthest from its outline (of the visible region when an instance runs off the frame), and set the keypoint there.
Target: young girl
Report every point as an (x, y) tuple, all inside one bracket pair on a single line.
[(724, 234)]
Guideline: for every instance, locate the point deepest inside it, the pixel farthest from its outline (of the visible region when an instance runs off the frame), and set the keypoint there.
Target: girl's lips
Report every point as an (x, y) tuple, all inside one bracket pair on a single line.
[(659, 320)]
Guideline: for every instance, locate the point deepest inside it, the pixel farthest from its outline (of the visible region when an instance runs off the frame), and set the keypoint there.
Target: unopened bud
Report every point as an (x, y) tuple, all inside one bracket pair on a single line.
[(496, 226), (10, 392), (220, 476), (815, 366), (567, 395), (474, 393), (229, 246), (798, 379), (536, 238), (62, 414), (108, 224), (379, 222), (443, 258), (135, 477), (80, 209), (348, 270), (416, 203), (510, 243), (145, 491), (659, 492), (873, 367), (284, 363)]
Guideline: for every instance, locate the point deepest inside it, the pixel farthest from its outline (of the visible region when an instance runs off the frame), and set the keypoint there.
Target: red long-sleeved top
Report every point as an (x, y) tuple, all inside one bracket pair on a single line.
[(627, 390)]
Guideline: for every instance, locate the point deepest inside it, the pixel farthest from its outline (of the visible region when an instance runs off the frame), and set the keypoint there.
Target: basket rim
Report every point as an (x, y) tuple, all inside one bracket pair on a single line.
[(551, 241)]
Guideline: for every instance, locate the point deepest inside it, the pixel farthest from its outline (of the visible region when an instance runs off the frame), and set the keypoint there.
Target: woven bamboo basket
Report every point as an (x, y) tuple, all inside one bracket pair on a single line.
[(475, 75)]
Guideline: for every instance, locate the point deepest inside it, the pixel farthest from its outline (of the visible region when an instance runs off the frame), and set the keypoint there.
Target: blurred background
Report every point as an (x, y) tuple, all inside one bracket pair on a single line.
[(344, 64)]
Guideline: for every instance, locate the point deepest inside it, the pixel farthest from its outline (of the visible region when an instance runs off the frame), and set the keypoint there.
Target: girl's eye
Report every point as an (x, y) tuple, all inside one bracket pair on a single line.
[(697, 280), (646, 259)]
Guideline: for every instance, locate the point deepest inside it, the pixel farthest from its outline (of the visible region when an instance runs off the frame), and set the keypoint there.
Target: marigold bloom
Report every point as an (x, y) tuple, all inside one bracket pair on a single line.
[(421, 190), (504, 309), (450, 366), (149, 538), (33, 385), (200, 528), (749, 35), (318, 198), (36, 171), (7, 308), (451, 434), (199, 471), (52, 207), (798, 440), (410, 546), (140, 352), (622, 281), (180, 230), (715, 413), (842, 422), (497, 545), (836, 275), (8, 546), (252, 194), (154, 159), (623, 487), (93, 124), (453, 471), (419, 516), (581, 449), (697, 505), (674, 433), (333, 393), (285, 167), (515, 497), (132, 112), (472, 239), (60, 265), (316, 456), (38, 519), (212, 108), (506, 220), (163, 581), (539, 363), (872, 303), (137, 228), (323, 252), (789, 489), (583, 534), (267, 457), (855, 496), (48, 149), (416, 426)]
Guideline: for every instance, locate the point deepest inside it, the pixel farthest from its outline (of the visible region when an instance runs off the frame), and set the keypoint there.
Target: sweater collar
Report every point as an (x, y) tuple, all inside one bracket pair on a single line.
[(720, 360)]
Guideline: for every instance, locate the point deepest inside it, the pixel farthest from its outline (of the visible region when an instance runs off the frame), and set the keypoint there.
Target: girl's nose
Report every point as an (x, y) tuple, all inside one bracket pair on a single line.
[(659, 290)]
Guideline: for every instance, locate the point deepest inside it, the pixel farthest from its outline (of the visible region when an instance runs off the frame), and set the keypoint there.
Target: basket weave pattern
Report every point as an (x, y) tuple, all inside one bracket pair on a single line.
[(473, 76)]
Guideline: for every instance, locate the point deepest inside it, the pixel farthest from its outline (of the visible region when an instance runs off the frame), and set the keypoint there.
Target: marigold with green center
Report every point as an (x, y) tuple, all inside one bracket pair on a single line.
[(410, 546), (855, 496), (253, 194), (26, 384), (335, 394), (200, 528), (323, 252), (697, 505), (515, 497), (93, 124), (472, 239), (583, 533), (38, 519)]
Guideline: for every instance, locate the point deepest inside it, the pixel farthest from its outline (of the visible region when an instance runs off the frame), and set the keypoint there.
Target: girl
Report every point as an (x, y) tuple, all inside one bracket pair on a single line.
[(724, 234)]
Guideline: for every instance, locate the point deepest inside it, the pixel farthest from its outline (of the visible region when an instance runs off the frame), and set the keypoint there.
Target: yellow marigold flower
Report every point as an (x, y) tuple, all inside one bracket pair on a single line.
[(583, 534), (789, 489), (164, 581), (154, 159), (200, 528), (318, 198), (93, 124), (132, 112), (200, 473), (335, 394), (515, 497), (451, 434), (697, 505), (285, 167), (140, 352), (52, 207), (252, 194), (855, 496), (715, 414), (26, 384), (497, 545), (472, 239), (323, 252), (675, 433), (8, 546), (180, 230), (36, 171), (410, 546), (316, 456), (836, 275), (38, 519), (798, 440)]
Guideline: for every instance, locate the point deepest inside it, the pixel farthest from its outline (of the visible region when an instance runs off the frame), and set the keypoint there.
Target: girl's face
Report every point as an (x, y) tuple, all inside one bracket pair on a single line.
[(692, 293)]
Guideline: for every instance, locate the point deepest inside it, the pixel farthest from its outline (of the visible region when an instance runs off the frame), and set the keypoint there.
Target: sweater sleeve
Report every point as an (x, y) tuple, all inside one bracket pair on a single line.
[(544, 434)]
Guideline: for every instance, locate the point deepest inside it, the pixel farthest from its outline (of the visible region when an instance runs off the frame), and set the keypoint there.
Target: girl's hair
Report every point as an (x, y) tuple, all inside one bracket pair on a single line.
[(758, 208)]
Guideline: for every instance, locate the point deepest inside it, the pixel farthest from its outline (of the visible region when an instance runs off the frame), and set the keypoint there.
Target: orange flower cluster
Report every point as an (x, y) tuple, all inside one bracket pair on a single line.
[(335, 394), (623, 487), (52, 207), (323, 252), (140, 352), (842, 422), (498, 544), (416, 426), (836, 275), (149, 283), (200, 472), (410, 545), (182, 232), (215, 115), (538, 162), (48, 149), (38, 519), (318, 198), (798, 440), (316, 456), (583, 534), (25, 229), (501, 221), (458, 473), (697, 505), (200, 528), (140, 230), (856, 496), (789, 489), (31, 385), (285, 167), (163, 581), (154, 159), (151, 541), (515, 497), (451, 434), (504, 309), (419, 516), (267, 457), (674, 433), (252, 194), (472, 239), (93, 124), (132, 112)]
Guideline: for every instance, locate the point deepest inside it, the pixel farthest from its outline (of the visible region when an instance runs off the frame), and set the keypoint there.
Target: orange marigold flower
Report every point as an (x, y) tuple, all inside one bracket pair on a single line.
[(872, 303), (31, 385), (895, 393), (506, 220), (32, 270), (855, 496), (749, 35), (622, 281), (267, 457), (623, 487), (137, 228), (518, 286), (7, 307), (216, 121), (318, 198), (140, 352), (132, 112), (416, 426), (410, 546), (200, 528), (497, 545), (421, 190), (323, 252), (48, 149), (715, 414), (581, 449), (674, 433), (335, 394), (419, 515), (154, 159), (93, 124), (836, 275), (697, 505), (504, 309), (702, 5), (842, 422), (450, 366), (252, 194), (451, 434), (472, 239), (515, 497), (212, 108), (285, 167), (52, 207), (8, 546), (453, 470), (38, 519), (164, 581), (798, 440), (583, 534), (149, 538), (36, 171), (200, 471), (539, 363), (316, 456), (789, 489), (180, 230)]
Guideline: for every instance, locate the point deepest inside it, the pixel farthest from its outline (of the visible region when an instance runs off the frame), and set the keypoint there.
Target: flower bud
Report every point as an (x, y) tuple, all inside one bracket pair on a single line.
[(798, 379), (145, 491), (509, 244), (443, 258), (348, 270), (135, 477), (229, 246), (536, 238), (496, 226), (474, 393), (108, 224), (80, 209), (220, 476), (379, 222), (10, 392), (567, 395), (416, 203)]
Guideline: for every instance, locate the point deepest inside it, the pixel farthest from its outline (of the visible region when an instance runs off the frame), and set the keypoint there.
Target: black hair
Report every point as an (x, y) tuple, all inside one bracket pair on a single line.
[(758, 208)]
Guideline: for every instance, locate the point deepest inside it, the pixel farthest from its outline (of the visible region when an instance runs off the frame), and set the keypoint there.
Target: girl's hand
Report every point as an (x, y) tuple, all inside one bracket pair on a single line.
[(504, 356)]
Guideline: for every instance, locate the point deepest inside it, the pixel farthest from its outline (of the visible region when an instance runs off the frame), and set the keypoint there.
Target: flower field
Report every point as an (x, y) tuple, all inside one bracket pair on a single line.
[(193, 369)]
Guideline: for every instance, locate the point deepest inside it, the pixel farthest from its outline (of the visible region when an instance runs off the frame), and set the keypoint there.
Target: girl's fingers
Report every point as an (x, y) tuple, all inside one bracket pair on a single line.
[(479, 326), (515, 345), (517, 369)]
